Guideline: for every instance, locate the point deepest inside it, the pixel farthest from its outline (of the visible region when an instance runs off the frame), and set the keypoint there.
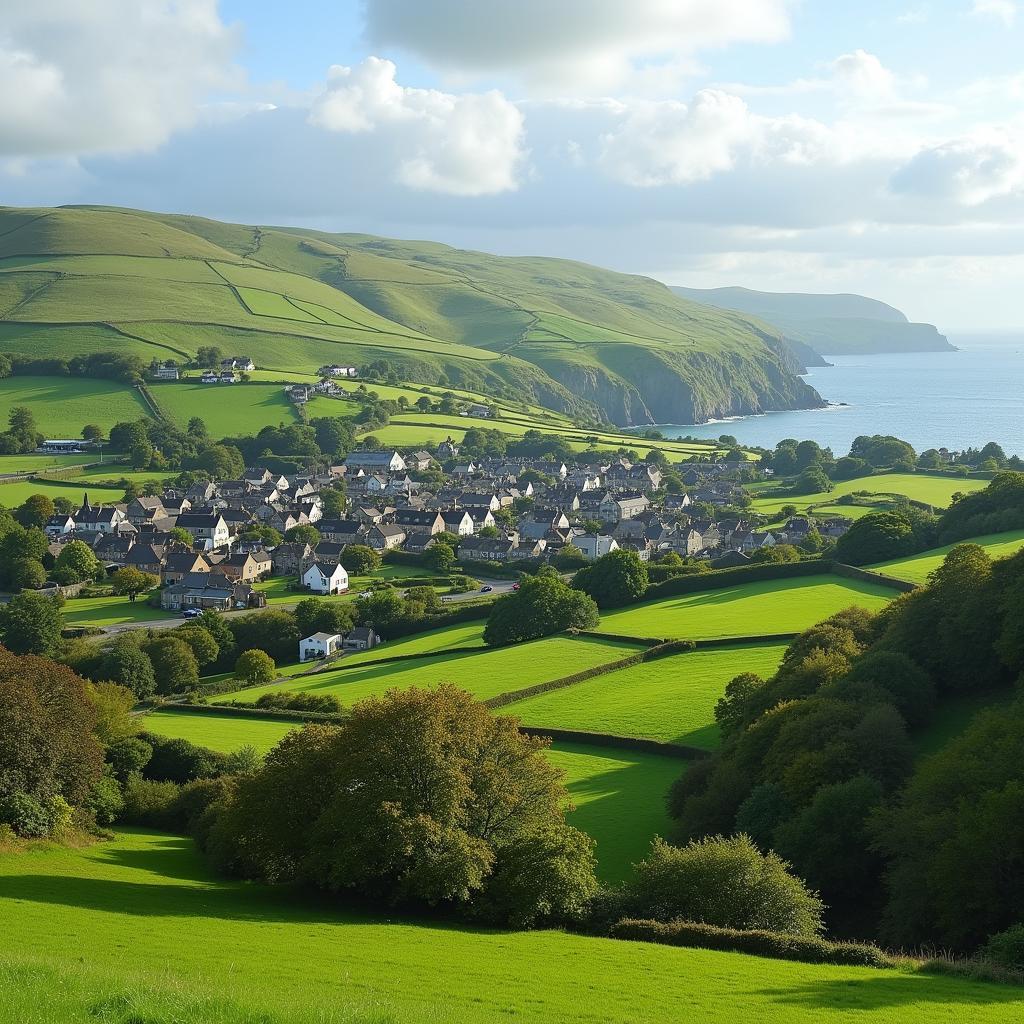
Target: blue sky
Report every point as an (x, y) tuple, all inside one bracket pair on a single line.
[(778, 144)]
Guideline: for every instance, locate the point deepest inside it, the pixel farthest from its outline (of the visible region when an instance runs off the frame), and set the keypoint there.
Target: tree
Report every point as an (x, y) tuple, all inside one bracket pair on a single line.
[(876, 537), (303, 534), (776, 554), (208, 356), (614, 579), (542, 606), (221, 461), (92, 432), (197, 428), (314, 615), (31, 624), (569, 557), (360, 560), (216, 625), (35, 510), (174, 665), (27, 574), (275, 632), (179, 535), (723, 882), (127, 663), (333, 503), (731, 709), (201, 642), (812, 481), (47, 746), (113, 706), (439, 557), (130, 582), (255, 667), (76, 563), (417, 796), (380, 610)]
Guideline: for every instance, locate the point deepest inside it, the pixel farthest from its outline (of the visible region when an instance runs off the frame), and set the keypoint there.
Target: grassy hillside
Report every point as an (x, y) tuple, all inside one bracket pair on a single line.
[(571, 337), (138, 930), (831, 324), (63, 405), (917, 568)]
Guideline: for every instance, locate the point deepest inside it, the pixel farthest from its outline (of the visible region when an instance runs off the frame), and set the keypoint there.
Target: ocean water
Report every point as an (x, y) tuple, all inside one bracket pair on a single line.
[(931, 399)]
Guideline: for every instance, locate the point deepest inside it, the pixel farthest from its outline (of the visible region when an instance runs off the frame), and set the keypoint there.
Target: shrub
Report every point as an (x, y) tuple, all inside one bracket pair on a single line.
[(25, 814), (180, 761), (149, 803), (284, 700), (1005, 948), (255, 667), (615, 579), (105, 800)]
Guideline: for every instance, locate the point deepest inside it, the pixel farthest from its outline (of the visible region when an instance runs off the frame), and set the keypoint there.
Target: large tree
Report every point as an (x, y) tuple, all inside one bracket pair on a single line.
[(31, 624), (542, 606), (131, 582), (76, 563), (615, 579)]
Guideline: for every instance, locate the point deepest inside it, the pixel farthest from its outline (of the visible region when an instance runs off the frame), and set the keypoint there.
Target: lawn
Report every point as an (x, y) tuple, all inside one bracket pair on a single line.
[(63, 405), (110, 611), (669, 699), (138, 930), (228, 410), (932, 489), (748, 609), (484, 674), (916, 568)]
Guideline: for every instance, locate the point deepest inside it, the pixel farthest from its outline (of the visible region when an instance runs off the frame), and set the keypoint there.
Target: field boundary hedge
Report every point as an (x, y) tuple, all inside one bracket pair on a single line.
[(776, 945), (854, 572), (243, 711), (337, 666), (614, 741), (715, 641)]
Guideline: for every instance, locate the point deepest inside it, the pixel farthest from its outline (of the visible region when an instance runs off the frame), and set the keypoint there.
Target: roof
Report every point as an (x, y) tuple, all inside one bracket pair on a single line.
[(322, 638)]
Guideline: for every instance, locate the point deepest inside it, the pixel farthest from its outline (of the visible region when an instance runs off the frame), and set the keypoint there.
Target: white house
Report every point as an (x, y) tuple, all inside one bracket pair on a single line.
[(325, 579), (319, 645), (594, 546)]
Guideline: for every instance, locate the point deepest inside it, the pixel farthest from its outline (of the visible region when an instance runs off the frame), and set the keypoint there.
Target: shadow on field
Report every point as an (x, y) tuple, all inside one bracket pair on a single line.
[(886, 990), (173, 857)]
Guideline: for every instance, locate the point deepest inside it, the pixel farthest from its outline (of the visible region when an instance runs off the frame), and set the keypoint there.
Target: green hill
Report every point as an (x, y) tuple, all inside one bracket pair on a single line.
[(830, 324), (572, 337)]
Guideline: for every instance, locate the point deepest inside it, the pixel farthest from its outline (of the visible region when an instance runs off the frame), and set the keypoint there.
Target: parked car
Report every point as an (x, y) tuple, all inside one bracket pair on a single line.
[(191, 613), (485, 589), (515, 586)]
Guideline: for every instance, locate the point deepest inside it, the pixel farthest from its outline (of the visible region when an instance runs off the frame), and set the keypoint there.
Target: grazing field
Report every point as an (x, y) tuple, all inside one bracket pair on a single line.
[(110, 611), (468, 635), (228, 410), (485, 674), (31, 463), (122, 932), (12, 495), (220, 732), (63, 405), (929, 488), (916, 568), (668, 699), (748, 609)]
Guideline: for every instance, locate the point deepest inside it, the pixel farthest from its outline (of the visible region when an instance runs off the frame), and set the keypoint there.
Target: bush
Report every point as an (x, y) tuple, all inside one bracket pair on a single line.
[(284, 700), (360, 560), (106, 800), (255, 667), (614, 579), (149, 803), (180, 761), (28, 817), (1006, 948), (778, 945)]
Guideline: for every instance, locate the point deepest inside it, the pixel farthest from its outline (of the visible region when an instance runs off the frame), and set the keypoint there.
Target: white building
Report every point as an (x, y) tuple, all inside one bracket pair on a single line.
[(325, 579), (595, 545), (319, 645)]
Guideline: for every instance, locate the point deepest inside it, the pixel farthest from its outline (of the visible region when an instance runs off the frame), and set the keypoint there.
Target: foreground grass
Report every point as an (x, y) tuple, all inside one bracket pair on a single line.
[(484, 674), (137, 931), (749, 609), (917, 568), (670, 699)]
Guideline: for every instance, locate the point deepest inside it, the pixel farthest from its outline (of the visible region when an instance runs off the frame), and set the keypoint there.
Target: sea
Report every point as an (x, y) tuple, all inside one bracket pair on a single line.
[(952, 400)]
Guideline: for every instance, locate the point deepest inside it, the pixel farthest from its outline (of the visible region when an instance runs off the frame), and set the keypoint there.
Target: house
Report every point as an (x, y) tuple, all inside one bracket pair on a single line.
[(291, 559), (144, 510), (243, 568), (227, 377), (376, 462), (595, 545), (210, 590), (207, 529), (113, 548), (338, 371), (166, 371), (622, 506), (342, 531), (98, 518), (486, 549), (237, 363), (146, 558), (322, 578), (385, 536), (209, 377), (179, 564), (424, 520), (419, 461), (362, 638), (58, 525), (447, 450), (458, 521), (319, 645)]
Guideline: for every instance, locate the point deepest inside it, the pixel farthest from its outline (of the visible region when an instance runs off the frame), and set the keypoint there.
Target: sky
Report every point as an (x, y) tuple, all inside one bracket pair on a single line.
[(794, 145)]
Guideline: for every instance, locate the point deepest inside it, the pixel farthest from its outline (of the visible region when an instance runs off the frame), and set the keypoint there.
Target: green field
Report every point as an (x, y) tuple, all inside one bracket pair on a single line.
[(669, 699), (138, 931), (219, 732), (484, 674), (110, 611), (12, 495), (63, 405), (916, 568), (468, 635), (929, 488), (228, 410), (31, 463), (748, 609)]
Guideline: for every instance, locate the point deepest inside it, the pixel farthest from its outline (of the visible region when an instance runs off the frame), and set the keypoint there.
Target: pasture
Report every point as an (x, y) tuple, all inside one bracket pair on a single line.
[(110, 611), (61, 406), (484, 674), (32, 463), (73, 489), (669, 699), (138, 929), (228, 410), (746, 609), (917, 568)]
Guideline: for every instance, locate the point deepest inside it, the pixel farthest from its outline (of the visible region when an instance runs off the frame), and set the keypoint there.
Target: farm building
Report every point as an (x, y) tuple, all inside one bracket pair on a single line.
[(362, 638)]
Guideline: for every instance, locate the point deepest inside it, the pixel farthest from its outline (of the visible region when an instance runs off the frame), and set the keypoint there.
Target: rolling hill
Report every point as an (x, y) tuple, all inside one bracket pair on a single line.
[(572, 337), (829, 324)]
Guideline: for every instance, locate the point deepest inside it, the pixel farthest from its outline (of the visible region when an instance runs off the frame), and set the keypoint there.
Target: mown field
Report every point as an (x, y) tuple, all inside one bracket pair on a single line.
[(748, 609), (61, 406), (138, 931), (110, 611), (931, 489), (669, 699), (31, 463), (916, 568), (12, 495), (228, 410), (484, 674)]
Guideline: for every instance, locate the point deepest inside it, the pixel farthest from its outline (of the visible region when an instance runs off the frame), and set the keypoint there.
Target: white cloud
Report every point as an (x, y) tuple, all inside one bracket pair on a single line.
[(109, 76), (469, 145), (863, 74), (584, 46), (1004, 11), (969, 171)]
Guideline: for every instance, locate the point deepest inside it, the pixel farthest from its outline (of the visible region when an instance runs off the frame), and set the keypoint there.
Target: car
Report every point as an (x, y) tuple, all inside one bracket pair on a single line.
[(191, 613), (515, 586), (485, 589)]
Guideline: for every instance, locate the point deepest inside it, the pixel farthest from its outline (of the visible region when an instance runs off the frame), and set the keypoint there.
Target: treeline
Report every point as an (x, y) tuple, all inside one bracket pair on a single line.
[(104, 365), (818, 763)]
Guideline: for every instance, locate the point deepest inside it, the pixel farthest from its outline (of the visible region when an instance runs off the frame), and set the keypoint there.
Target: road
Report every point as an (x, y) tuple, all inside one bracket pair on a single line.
[(498, 587)]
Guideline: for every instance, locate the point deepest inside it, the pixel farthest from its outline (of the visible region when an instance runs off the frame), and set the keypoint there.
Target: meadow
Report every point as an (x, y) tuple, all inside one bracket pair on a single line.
[(61, 406), (669, 699), (484, 674), (111, 610), (228, 410), (73, 489), (747, 609), (917, 568), (138, 930), (32, 463)]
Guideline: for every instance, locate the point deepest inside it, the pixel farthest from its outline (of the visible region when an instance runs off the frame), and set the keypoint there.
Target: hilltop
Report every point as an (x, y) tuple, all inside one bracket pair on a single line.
[(829, 324), (572, 337)]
